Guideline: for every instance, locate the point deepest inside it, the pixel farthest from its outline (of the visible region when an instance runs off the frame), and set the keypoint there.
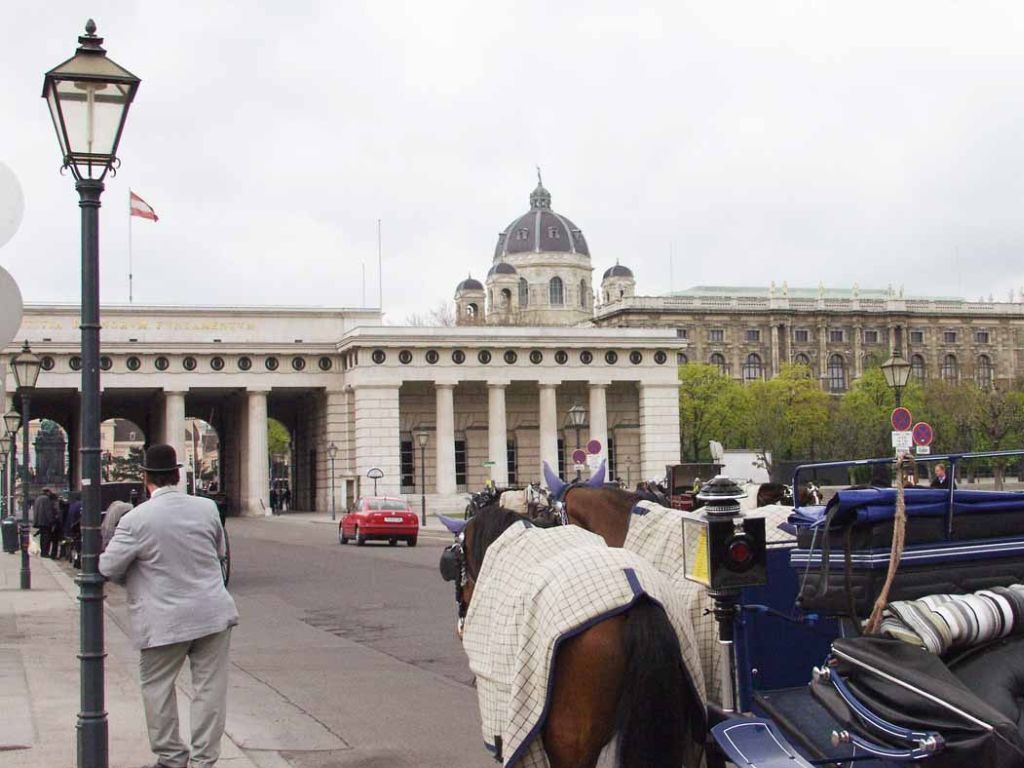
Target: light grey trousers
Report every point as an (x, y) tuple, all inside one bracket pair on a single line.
[(158, 670)]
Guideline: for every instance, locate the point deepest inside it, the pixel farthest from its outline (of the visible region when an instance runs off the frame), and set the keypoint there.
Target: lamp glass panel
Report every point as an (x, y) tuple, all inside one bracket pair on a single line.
[(92, 115), (695, 551), (12, 420), (26, 369), (422, 438)]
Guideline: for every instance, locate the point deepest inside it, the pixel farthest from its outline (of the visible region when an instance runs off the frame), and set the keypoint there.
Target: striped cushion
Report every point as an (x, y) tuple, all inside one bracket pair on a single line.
[(941, 623)]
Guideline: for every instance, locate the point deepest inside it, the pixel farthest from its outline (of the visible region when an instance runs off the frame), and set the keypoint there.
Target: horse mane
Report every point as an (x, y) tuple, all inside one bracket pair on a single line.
[(484, 528)]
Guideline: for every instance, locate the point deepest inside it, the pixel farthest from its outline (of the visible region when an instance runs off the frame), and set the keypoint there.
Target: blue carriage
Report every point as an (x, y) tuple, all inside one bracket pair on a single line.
[(943, 682)]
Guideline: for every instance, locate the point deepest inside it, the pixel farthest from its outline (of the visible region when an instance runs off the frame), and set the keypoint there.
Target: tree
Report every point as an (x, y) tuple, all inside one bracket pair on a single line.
[(441, 316), (998, 416), (711, 407), (862, 425), (127, 467), (278, 439), (787, 416)]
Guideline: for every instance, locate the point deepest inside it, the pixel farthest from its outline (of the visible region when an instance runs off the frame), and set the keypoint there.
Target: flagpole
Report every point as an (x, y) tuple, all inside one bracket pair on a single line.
[(130, 296)]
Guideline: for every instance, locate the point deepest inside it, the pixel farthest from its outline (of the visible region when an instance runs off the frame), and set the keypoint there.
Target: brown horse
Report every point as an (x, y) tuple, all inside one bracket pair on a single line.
[(621, 676)]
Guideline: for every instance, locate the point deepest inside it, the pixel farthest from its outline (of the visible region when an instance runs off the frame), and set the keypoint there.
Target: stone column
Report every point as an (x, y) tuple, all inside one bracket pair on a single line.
[(174, 428), (823, 352), (378, 440), (335, 431), (659, 428), (549, 427), (257, 459), (497, 433), (445, 448), (599, 417), (774, 337)]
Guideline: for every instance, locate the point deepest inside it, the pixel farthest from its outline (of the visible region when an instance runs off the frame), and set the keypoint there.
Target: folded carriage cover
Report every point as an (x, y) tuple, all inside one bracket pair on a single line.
[(843, 549)]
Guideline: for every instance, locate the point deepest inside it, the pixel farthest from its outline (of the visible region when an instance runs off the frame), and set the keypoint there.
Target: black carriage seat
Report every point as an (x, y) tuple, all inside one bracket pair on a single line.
[(906, 685), (995, 673)]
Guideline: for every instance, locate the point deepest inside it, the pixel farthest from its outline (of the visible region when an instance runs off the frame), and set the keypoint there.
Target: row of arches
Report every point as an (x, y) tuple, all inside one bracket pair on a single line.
[(836, 368), (51, 463), (556, 294)]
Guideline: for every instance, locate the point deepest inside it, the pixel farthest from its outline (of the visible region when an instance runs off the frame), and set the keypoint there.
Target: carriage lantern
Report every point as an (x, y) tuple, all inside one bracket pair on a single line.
[(724, 548)]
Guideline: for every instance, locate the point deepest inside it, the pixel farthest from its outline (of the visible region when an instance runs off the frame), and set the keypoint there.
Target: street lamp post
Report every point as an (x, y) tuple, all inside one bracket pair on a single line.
[(577, 420), (422, 438), (897, 374), (12, 420), (89, 96), (4, 450), (26, 366), (332, 452)]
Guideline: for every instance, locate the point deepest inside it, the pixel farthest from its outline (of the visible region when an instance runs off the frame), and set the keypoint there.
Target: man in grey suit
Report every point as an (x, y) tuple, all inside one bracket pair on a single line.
[(167, 552)]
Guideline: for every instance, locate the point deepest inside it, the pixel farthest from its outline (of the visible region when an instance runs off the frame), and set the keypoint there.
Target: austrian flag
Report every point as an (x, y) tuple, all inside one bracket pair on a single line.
[(141, 208)]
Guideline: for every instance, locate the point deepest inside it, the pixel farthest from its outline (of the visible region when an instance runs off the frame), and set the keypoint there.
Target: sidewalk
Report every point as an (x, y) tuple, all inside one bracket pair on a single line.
[(39, 676)]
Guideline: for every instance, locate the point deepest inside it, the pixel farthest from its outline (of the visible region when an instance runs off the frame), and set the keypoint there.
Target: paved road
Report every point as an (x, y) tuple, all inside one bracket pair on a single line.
[(346, 656)]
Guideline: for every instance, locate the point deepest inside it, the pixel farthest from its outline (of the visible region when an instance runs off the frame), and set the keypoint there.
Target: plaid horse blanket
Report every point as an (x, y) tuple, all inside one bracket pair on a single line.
[(538, 587), (656, 534)]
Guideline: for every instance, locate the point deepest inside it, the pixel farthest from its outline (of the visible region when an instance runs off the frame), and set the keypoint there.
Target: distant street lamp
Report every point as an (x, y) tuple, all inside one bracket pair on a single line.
[(897, 374), (12, 420), (26, 367), (422, 438), (332, 453), (4, 451), (89, 96), (577, 420)]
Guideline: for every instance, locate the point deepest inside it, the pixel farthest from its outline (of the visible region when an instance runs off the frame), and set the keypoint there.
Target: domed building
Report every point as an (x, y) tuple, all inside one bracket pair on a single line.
[(617, 283), (541, 272)]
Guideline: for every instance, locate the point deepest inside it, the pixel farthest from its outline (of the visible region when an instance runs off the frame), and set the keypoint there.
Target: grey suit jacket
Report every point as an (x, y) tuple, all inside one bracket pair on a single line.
[(167, 553)]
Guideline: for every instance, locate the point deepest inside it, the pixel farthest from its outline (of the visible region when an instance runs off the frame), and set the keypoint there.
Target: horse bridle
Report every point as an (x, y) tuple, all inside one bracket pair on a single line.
[(455, 567)]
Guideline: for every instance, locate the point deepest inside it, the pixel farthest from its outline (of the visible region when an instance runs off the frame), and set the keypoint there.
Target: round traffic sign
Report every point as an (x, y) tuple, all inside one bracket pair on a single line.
[(901, 419), (579, 456), (375, 473), (594, 447), (10, 308), (923, 433)]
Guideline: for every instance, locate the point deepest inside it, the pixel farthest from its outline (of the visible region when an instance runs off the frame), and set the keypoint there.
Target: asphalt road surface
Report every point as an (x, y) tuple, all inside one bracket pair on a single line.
[(346, 656)]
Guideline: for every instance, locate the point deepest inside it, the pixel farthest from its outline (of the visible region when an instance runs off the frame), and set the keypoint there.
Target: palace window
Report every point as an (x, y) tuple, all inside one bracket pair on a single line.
[(981, 337), (949, 337), (983, 373), (513, 464), (917, 367), (802, 359), (752, 368), (718, 360), (523, 234), (524, 292), (836, 374), (950, 372), (917, 337), (556, 292), (408, 466), (682, 333), (716, 334), (753, 334), (561, 457), (837, 335), (583, 294), (460, 463), (554, 233), (870, 337), (801, 336), (681, 359)]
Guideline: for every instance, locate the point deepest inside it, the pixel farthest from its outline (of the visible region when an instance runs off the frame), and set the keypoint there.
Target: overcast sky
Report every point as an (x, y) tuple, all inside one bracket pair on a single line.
[(834, 142)]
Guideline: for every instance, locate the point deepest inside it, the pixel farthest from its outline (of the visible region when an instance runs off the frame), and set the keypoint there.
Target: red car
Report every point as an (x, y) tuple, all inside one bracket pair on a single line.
[(382, 518)]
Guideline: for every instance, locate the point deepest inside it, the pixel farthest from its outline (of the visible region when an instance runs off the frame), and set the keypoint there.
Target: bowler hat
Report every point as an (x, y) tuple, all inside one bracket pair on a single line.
[(160, 458)]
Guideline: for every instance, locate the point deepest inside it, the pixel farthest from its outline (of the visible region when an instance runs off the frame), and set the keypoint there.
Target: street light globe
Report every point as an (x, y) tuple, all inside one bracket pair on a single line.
[(332, 450), (12, 421), (89, 96), (422, 438), (26, 365), (896, 371), (577, 416)]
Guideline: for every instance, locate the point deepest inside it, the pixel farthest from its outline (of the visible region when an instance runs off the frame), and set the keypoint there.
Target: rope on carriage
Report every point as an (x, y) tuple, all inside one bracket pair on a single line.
[(899, 535)]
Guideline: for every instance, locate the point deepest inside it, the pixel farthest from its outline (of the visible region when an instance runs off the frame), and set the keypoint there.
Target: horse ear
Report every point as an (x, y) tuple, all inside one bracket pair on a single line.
[(555, 484), (597, 480), (453, 525)]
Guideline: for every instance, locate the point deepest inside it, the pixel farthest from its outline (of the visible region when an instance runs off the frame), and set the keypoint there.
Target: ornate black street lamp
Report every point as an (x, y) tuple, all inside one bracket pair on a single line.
[(26, 367), (4, 451), (423, 438), (12, 420), (89, 96), (332, 453), (897, 374), (577, 420)]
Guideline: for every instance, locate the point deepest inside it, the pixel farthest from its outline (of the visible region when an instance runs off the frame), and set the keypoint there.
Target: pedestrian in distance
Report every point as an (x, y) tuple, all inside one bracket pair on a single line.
[(46, 518), (111, 518), (167, 553), (941, 479)]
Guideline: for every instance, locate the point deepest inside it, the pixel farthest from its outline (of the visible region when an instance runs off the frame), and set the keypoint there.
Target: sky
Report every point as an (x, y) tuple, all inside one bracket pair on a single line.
[(699, 143)]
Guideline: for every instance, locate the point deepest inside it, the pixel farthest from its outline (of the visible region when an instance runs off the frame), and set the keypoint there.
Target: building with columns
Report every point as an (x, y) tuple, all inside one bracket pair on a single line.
[(492, 403)]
